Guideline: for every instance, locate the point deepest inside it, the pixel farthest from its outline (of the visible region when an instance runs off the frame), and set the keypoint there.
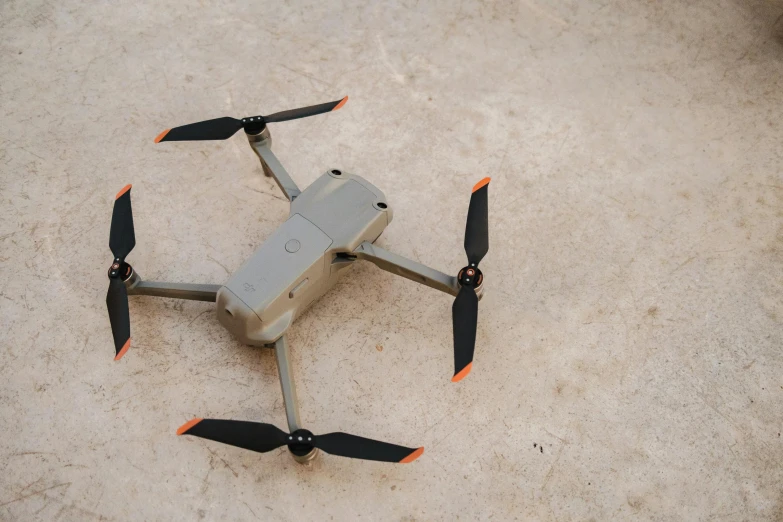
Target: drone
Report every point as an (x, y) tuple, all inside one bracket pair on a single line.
[(331, 224)]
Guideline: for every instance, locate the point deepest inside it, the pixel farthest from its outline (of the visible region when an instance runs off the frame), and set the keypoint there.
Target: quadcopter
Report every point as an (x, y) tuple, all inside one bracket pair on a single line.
[(331, 224)]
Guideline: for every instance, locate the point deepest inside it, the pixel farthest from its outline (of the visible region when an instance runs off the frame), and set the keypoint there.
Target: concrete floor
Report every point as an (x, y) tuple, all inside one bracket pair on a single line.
[(629, 361)]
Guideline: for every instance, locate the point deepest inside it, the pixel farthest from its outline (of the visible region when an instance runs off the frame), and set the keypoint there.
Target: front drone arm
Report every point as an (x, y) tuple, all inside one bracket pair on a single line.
[(407, 268), (262, 145), (257, 133), (190, 291)]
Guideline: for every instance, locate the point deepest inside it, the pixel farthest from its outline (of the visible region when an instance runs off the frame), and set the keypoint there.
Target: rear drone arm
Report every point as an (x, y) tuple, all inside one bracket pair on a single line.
[(407, 268), (262, 145), (302, 443), (283, 356)]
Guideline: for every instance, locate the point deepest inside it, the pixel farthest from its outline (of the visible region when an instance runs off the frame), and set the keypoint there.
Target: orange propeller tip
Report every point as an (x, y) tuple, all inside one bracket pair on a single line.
[(481, 183), (127, 343), (466, 370), (339, 105), (413, 456), (125, 189), (185, 427), (162, 135)]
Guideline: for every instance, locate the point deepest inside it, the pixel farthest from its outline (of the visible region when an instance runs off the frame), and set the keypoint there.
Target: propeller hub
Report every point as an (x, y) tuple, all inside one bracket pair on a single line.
[(300, 442), (254, 124), (120, 270), (470, 276)]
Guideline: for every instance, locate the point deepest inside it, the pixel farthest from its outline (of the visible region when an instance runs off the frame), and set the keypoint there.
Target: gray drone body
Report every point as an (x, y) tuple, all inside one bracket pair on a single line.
[(331, 224), (302, 259)]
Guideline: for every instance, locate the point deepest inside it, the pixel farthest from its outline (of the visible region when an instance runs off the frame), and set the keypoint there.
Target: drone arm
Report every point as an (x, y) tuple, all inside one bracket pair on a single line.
[(189, 291), (262, 145), (282, 354), (407, 268)]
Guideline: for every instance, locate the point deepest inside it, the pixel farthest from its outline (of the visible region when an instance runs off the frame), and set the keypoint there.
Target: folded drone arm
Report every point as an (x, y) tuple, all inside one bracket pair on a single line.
[(407, 268), (262, 145)]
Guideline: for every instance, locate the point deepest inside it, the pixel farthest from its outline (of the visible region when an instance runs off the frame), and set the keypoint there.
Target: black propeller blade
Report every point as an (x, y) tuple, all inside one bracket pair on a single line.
[(477, 226), (122, 239), (464, 311), (304, 112), (224, 128), (119, 317), (262, 438), (217, 129), (464, 317)]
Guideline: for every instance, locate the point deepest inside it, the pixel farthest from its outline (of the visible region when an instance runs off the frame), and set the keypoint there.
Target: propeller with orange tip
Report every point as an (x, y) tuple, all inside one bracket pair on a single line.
[(224, 128), (464, 311), (122, 239)]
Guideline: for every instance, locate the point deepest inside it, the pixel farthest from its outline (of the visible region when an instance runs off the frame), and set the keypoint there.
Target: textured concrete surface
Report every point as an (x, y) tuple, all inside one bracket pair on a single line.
[(629, 361)]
